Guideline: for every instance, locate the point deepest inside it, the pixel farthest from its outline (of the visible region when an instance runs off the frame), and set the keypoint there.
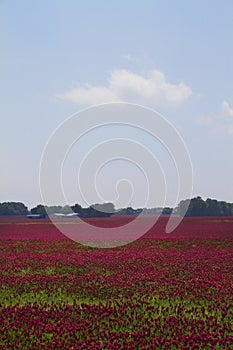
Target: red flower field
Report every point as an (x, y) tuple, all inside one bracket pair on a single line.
[(163, 291)]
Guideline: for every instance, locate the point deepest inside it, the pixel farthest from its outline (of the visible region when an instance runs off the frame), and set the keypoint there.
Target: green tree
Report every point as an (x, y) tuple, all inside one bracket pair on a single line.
[(13, 208), (40, 210), (104, 208)]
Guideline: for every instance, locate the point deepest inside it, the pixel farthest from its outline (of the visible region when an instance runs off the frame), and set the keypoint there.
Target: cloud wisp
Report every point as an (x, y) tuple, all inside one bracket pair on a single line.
[(227, 109), (218, 122), (125, 86)]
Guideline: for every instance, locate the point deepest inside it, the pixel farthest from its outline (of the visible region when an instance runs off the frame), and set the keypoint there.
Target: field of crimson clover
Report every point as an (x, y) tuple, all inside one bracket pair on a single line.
[(164, 291)]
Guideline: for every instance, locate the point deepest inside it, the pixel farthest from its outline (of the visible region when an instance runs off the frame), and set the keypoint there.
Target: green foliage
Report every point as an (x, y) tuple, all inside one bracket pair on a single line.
[(95, 210), (196, 207), (210, 207), (13, 208), (104, 208), (130, 211), (39, 209), (77, 208)]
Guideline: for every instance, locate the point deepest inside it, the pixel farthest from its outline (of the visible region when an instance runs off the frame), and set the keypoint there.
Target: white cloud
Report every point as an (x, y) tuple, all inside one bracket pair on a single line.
[(219, 123), (130, 58), (89, 95), (126, 86), (227, 109)]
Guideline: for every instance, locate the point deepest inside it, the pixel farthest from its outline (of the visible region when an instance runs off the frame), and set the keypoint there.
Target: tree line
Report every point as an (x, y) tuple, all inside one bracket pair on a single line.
[(197, 207), (208, 207), (96, 210)]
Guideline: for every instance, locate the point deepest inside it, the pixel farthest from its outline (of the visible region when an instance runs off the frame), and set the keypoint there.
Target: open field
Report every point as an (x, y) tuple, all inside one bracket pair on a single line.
[(164, 291)]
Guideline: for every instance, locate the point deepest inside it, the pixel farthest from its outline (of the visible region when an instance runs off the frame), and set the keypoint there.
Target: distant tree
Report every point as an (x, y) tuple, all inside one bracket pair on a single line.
[(66, 210), (130, 211), (184, 208), (101, 210), (104, 208), (213, 207), (167, 211), (77, 208), (95, 210), (40, 210), (226, 208), (13, 208), (53, 209), (210, 207)]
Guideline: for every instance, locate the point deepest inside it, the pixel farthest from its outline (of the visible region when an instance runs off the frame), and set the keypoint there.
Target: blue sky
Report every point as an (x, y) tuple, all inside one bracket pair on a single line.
[(58, 57)]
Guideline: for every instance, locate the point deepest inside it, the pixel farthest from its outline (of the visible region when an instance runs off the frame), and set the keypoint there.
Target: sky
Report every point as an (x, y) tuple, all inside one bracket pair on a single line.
[(60, 57)]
